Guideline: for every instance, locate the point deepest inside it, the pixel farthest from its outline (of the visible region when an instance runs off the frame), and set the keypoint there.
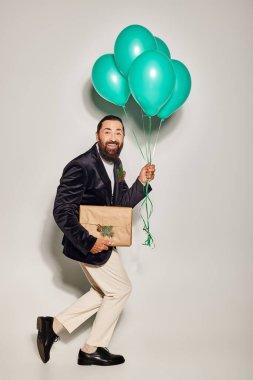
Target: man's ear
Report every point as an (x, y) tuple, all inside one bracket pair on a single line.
[(97, 136)]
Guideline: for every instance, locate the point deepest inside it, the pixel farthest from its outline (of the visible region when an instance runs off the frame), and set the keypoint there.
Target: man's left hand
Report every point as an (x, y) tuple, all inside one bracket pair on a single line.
[(147, 173)]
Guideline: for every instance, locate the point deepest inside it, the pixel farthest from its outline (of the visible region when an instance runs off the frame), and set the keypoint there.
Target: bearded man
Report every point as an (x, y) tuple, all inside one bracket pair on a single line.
[(95, 177)]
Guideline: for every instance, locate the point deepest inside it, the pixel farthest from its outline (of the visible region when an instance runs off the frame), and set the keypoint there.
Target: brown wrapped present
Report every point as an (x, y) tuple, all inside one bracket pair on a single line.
[(112, 222)]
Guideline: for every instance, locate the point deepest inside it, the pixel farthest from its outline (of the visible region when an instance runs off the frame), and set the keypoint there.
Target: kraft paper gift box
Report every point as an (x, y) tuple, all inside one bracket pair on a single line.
[(112, 222)]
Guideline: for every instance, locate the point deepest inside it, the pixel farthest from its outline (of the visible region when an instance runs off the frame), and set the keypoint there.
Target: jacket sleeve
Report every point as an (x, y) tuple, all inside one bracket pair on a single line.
[(66, 207), (129, 197)]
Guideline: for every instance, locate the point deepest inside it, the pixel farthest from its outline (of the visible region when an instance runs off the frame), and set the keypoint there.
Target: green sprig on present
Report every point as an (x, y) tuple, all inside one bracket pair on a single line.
[(105, 230)]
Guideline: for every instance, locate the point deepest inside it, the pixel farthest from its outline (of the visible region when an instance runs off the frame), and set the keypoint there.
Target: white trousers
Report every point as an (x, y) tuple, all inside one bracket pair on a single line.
[(110, 289)]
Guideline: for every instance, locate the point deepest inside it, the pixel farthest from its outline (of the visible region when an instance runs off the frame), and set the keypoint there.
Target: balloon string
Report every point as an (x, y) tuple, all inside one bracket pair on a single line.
[(149, 139), (149, 209), (144, 134), (136, 139), (157, 137), (124, 108), (146, 203)]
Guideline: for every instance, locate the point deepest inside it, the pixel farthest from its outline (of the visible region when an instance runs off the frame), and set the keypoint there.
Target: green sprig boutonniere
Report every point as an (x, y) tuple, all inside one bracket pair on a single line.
[(120, 173)]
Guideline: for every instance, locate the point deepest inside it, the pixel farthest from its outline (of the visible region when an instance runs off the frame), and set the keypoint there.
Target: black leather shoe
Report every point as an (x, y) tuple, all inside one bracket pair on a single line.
[(46, 337), (101, 356)]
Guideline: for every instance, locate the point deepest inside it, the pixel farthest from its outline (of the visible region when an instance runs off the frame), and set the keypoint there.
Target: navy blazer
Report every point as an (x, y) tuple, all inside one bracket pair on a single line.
[(85, 181)]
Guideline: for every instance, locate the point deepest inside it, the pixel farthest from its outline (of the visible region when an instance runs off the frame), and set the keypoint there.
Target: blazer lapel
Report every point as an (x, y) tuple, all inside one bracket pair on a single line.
[(116, 180), (102, 171)]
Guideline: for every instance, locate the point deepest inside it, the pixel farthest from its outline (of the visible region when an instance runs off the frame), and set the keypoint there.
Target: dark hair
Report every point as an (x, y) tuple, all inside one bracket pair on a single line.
[(110, 117)]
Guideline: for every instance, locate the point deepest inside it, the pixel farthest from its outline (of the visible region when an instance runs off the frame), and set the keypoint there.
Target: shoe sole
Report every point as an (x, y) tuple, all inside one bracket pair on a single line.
[(88, 362), (39, 344)]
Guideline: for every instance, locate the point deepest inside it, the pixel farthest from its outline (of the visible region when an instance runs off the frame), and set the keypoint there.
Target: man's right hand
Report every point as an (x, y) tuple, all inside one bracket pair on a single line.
[(101, 245)]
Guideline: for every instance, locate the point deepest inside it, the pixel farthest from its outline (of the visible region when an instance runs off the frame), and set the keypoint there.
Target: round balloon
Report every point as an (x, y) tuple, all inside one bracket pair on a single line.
[(181, 91), (130, 43), (109, 82), (162, 47), (151, 80)]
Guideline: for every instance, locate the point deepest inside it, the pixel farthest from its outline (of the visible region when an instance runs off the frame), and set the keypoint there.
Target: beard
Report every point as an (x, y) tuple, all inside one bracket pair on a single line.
[(110, 153)]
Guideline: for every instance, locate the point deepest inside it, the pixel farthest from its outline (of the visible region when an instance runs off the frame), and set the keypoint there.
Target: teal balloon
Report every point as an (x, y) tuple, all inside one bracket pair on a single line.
[(109, 82), (151, 80), (162, 47), (181, 91), (130, 43)]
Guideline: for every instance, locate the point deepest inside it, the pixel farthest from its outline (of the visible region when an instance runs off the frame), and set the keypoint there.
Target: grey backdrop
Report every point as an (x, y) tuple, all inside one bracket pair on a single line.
[(190, 313)]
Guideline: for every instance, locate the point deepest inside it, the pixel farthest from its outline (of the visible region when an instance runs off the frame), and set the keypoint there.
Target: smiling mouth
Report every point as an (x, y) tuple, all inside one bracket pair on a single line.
[(112, 145)]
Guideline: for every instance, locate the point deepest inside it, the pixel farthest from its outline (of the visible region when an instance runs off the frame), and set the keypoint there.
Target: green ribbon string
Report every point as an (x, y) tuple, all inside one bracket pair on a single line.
[(146, 225), (157, 137), (144, 134), (146, 204), (149, 140), (136, 139)]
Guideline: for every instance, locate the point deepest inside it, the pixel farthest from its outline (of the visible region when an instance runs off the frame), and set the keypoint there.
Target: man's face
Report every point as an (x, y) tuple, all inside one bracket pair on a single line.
[(110, 139)]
